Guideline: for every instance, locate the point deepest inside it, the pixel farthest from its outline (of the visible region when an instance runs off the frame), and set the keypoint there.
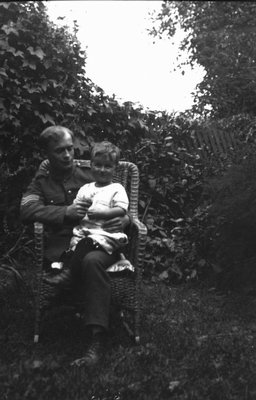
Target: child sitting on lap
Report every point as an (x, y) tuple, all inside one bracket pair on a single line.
[(107, 199)]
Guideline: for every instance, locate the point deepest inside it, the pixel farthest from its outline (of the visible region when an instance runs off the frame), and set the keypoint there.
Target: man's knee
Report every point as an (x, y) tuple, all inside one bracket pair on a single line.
[(95, 264), (94, 259)]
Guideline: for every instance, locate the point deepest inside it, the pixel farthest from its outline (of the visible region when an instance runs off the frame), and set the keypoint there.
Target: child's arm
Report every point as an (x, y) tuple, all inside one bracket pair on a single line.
[(107, 213)]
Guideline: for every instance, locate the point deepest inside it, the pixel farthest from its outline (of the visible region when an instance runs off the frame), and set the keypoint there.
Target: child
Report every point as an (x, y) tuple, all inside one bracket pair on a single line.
[(108, 200)]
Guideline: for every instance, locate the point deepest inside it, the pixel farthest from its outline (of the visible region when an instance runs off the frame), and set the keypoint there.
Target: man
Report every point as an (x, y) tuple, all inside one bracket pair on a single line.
[(49, 199)]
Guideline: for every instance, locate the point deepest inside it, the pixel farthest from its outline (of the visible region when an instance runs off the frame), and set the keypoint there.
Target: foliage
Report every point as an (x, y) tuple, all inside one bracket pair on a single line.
[(41, 73), (177, 192), (233, 217), (170, 190), (219, 36)]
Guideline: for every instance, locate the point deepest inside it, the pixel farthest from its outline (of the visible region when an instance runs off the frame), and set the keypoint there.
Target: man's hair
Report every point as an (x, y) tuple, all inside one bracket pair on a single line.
[(53, 133), (106, 148)]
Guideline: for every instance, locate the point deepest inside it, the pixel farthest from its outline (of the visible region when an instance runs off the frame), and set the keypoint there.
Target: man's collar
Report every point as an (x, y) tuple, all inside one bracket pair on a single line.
[(62, 175)]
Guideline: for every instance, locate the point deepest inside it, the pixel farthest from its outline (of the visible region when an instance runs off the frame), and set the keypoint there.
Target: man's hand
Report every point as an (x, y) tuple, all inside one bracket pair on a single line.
[(77, 210), (117, 224)]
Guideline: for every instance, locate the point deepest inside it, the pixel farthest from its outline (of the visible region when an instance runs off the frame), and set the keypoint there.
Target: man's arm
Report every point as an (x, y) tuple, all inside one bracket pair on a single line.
[(117, 224), (33, 206)]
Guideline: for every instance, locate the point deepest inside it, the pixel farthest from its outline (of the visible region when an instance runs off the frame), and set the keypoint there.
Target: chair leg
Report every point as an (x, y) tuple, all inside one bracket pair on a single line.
[(133, 334), (137, 327), (37, 328), (37, 320), (36, 338), (125, 325)]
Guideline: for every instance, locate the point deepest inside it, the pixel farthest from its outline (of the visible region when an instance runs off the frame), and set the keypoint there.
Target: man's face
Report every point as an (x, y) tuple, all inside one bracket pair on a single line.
[(60, 153)]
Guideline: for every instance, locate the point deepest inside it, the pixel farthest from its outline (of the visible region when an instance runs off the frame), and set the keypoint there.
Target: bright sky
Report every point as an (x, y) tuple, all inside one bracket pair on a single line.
[(121, 56)]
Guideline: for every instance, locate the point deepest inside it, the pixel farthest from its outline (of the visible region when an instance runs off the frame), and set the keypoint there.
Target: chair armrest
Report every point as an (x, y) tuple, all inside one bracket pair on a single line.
[(39, 244), (137, 243), (39, 253)]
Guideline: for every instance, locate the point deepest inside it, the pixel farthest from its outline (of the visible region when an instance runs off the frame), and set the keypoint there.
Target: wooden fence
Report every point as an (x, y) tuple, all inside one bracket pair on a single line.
[(210, 143)]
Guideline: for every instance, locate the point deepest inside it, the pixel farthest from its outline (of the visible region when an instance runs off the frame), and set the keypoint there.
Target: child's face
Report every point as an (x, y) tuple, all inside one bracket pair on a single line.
[(103, 169)]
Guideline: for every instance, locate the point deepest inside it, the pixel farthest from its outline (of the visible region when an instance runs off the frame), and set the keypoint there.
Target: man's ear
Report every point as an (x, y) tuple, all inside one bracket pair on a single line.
[(44, 153)]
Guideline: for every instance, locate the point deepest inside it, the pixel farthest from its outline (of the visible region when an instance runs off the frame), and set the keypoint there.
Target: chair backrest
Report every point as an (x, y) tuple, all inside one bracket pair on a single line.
[(127, 174)]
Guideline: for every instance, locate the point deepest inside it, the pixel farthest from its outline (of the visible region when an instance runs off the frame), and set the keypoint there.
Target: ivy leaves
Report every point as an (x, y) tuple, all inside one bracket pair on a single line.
[(219, 36)]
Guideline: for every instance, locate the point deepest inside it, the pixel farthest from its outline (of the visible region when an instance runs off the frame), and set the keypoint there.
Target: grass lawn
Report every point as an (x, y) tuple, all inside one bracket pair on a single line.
[(196, 344)]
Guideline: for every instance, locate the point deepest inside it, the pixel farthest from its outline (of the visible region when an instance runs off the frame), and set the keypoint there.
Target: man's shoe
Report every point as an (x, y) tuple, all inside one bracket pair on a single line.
[(94, 353)]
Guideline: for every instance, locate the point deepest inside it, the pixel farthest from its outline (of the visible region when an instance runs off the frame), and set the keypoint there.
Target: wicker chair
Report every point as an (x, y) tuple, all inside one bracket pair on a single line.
[(125, 286)]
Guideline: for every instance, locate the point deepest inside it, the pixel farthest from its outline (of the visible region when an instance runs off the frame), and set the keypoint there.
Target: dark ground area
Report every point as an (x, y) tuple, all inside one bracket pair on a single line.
[(196, 343)]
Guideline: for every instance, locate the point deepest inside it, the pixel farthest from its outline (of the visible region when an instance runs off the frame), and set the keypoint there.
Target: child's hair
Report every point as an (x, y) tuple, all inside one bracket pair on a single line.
[(107, 148), (53, 133)]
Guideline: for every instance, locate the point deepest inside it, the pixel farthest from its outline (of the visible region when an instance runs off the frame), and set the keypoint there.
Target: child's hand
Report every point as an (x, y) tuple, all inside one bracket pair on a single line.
[(78, 209), (83, 206), (94, 213)]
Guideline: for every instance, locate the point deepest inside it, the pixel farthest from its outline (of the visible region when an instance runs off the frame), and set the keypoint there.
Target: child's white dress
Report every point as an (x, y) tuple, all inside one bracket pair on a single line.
[(112, 195)]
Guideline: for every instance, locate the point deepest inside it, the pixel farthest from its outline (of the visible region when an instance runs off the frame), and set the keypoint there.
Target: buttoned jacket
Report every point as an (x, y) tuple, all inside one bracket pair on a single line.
[(46, 200)]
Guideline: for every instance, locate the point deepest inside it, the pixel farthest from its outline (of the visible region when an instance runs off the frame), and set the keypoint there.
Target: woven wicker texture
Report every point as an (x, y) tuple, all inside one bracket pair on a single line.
[(125, 286)]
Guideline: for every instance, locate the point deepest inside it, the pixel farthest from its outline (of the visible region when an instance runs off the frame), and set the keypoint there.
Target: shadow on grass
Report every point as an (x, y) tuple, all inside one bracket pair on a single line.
[(196, 344)]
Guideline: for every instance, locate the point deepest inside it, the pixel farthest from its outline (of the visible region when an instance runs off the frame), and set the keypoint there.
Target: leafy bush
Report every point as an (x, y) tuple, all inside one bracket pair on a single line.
[(170, 190), (40, 75), (180, 192), (233, 215), (220, 37)]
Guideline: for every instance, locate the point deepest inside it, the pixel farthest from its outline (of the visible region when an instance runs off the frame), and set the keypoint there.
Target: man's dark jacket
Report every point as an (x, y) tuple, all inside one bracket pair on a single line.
[(46, 200)]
